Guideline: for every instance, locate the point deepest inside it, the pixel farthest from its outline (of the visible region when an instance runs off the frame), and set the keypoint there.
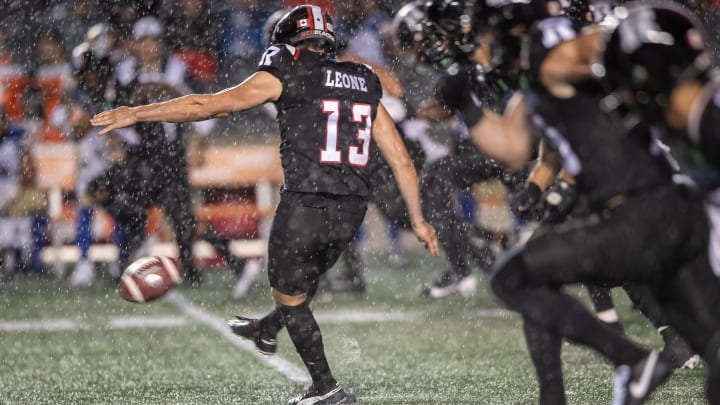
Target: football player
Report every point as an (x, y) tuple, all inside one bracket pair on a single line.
[(658, 59), (460, 52), (628, 192), (330, 117)]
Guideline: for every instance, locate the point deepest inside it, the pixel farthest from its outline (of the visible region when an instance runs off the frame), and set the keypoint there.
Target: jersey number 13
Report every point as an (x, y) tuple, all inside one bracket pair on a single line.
[(357, 155)]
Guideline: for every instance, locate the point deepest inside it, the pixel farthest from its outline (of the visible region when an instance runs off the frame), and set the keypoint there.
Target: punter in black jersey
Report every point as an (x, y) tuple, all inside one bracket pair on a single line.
[(330, 116), (632, 202)]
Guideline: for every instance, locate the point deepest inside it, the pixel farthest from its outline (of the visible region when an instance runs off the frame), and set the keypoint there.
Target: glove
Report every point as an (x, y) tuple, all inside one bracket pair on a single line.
[(524, 202), (559, 200)]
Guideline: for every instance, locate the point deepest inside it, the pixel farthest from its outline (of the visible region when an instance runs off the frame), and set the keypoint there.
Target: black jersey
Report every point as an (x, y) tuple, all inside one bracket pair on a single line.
[(325, 113), (704, 123), (595, 147)]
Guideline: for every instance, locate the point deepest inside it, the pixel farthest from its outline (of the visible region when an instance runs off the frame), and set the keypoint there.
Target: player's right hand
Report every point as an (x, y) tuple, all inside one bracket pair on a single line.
[(524, 202), (426, 233), (120, 117)]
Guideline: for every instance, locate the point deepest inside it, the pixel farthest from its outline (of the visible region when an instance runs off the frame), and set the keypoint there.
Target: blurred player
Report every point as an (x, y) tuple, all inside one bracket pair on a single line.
[(329, 115), (459, 51), (93, 72), (631, 200), (668, 79)]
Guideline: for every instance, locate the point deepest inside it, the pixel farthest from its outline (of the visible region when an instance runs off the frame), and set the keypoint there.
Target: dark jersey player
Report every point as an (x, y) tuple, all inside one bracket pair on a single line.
[(329, 117), (624, 238), (673, 85), (448, 46)]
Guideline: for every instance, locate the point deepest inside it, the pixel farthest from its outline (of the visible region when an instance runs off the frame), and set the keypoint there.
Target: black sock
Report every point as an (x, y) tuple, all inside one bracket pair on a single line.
[(600, 297), (271, 323), (643, 298), (560, 314), (305, 335), (544, 349)]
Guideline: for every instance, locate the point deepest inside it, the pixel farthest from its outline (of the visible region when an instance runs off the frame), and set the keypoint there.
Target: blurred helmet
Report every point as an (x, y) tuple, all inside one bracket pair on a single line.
[(452, 26), (511, 21), (269, 26), (653, 48), (406, 26), (448, 32), (306, 23)]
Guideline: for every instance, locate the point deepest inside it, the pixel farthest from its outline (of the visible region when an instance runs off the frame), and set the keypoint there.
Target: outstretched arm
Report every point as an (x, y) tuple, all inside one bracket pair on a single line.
[(393, 149), (505, 138), (259, 88)]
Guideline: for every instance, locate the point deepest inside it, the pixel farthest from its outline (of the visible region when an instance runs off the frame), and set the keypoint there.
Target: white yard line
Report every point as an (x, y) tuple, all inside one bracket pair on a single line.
[(39, 325), (276, 362), (128, 322), (360, 316)]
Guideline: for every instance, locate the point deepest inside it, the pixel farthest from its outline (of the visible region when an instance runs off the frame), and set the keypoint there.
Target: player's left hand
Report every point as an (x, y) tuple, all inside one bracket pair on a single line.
[(426, 233), (120, 117)]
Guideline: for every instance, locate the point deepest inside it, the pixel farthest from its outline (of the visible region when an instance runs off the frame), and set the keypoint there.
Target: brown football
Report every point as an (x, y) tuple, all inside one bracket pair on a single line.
[(149, 278)]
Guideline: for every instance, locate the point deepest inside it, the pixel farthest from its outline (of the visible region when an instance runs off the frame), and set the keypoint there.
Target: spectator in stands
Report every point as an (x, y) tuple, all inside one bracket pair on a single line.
[(13, 80), (51, 78), (75, 17), (10, 158), (242, 39), (361, 29), (23, 222), (123, 15), (193, 34)]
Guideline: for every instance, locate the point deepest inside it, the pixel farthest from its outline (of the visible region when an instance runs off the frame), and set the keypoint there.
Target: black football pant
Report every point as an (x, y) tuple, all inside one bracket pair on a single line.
[(658, 239), (440, 182), (308, 234)]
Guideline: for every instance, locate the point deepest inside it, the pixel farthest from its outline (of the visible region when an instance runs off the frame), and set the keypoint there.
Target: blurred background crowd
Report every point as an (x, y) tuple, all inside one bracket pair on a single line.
[(50, 85)]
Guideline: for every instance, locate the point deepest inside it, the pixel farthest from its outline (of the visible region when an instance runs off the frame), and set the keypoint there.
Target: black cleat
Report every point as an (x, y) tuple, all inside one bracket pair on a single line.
[(248, 328), (335, 395), (679, 352), (633, 385)]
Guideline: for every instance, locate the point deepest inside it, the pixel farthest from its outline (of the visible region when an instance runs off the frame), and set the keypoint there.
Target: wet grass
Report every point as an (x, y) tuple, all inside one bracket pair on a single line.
[(452, 352)]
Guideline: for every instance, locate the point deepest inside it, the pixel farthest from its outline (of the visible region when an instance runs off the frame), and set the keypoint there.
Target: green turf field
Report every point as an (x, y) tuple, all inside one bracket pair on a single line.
[(390, 346)]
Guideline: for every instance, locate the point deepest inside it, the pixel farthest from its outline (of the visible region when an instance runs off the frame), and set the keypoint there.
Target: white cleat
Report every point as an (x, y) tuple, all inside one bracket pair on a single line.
[(84, 274), (449, 284)]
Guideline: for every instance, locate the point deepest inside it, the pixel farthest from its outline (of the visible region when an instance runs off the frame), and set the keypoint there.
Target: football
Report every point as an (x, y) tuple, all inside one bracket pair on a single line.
[(149, 278)]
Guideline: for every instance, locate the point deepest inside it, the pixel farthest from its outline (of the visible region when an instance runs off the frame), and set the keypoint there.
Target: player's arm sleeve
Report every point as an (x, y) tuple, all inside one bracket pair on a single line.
[(278, 60)]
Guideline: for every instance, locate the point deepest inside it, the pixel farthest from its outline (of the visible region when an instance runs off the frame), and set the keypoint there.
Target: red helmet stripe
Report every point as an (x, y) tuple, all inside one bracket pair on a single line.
[(310, 18)]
